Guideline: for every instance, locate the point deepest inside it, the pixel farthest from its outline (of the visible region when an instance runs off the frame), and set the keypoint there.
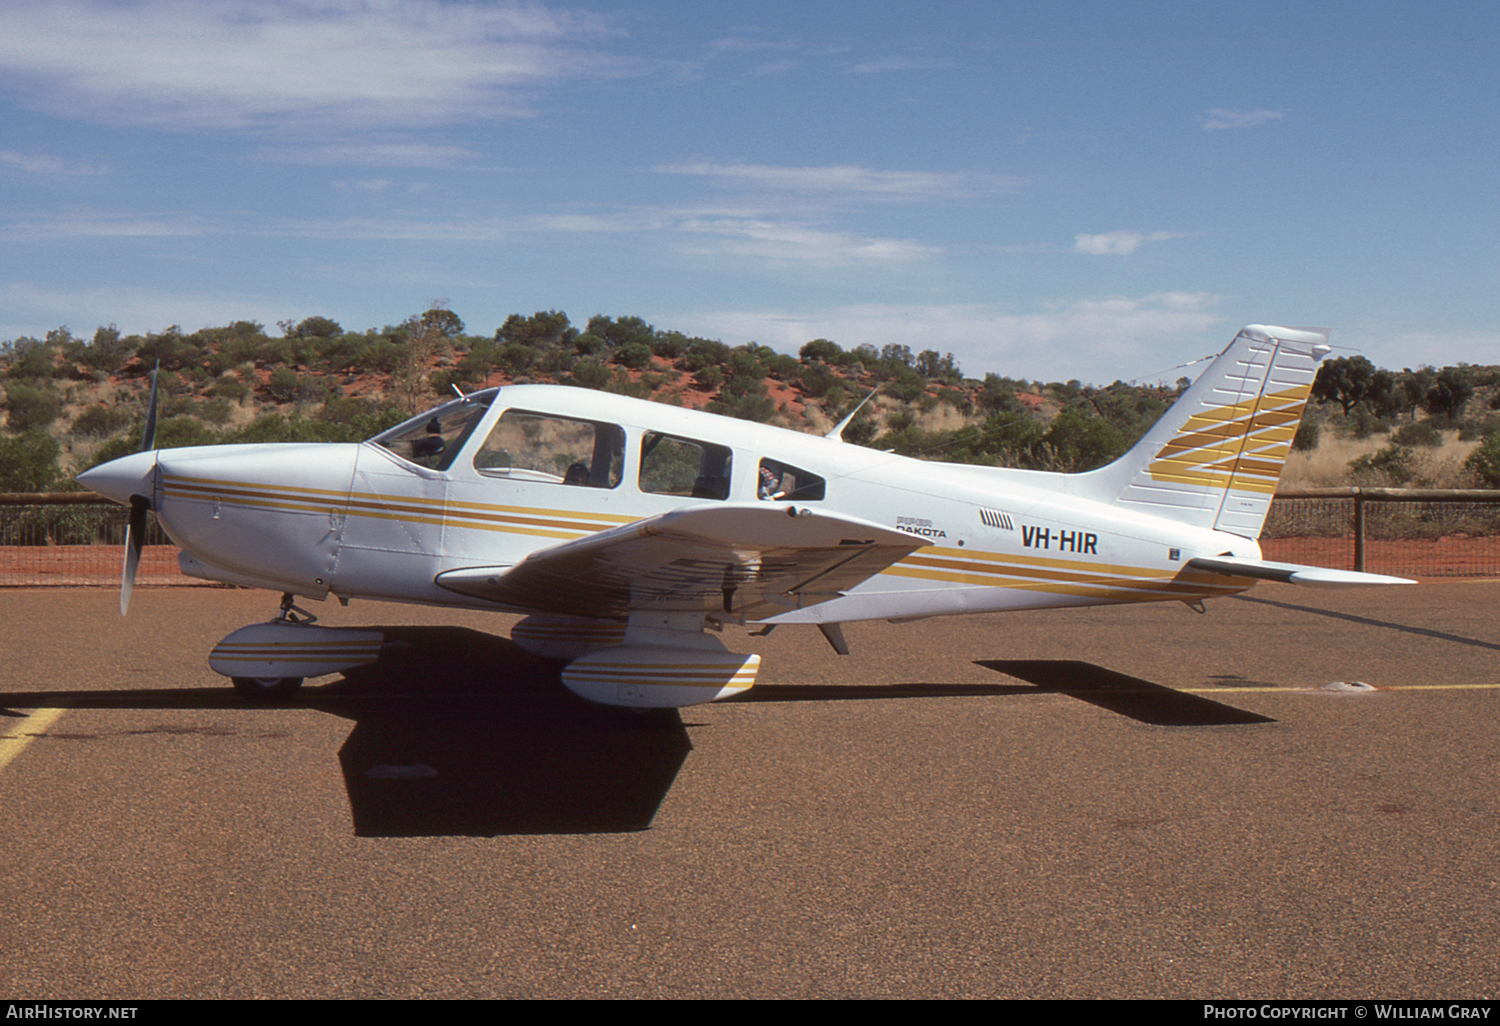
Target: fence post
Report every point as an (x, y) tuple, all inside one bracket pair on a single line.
[(1359, 531)]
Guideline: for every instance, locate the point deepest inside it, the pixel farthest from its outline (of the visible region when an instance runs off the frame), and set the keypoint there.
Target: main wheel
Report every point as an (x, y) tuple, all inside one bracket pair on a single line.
[(266, 689)]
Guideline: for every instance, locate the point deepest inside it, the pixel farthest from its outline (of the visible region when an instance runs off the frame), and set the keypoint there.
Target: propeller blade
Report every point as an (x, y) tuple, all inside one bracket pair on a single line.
[(135, 540), (148, 437), (135, 527)]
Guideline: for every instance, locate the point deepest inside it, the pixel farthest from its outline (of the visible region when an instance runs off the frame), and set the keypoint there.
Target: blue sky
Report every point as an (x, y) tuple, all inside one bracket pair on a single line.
[(1047, 190)]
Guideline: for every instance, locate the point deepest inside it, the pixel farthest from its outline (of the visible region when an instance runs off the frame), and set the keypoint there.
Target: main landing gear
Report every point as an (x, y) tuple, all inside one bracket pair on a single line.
[(275, 689)]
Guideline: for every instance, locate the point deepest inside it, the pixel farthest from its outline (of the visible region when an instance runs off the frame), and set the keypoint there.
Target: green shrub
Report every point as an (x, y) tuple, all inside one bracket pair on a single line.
[(1396, 464), (635, 355), (590, 373), (229, 386), (215, 411), (28, 463), (31, 409), (1418, 433), (1485, 460)]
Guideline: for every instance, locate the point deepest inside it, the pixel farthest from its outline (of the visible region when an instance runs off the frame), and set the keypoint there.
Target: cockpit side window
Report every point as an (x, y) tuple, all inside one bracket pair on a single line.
[(682, 466), (525, 446), (777, 481), (433, 439)]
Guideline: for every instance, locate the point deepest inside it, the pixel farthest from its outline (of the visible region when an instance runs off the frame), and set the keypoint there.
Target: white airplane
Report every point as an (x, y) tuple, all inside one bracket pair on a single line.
[(625, 529)]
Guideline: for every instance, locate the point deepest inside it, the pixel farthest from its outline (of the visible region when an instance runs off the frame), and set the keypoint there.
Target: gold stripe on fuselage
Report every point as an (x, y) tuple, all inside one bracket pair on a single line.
[(547, 523), (1057, 576)]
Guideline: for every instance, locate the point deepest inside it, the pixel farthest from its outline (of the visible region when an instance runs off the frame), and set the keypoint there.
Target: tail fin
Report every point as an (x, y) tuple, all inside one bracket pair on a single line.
[(1214, 457)]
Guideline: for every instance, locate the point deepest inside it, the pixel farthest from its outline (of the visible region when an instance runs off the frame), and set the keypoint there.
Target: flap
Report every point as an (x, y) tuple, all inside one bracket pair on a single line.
[(740, 561)]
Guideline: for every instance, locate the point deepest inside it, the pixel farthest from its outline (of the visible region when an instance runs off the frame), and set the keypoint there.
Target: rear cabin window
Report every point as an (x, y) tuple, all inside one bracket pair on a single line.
[(778, 480), (554, 450), (682, 466)]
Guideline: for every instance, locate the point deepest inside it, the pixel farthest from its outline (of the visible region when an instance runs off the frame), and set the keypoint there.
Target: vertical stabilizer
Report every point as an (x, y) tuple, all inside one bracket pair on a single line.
[(1214, 457)]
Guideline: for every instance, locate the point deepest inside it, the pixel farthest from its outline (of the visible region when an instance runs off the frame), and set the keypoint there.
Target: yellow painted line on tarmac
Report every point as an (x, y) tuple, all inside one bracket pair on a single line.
[(14, 742), (1377, 687)]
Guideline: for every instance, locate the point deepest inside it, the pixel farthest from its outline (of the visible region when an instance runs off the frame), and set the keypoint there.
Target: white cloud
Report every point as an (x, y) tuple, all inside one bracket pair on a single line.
[(1116, 243), (1098, 340), (290, 63), (849, 179), (1221, 117), (92, 224), (738, 232), (42, 164), (791, 243), (375, 154), (881, 65), (370, 185)]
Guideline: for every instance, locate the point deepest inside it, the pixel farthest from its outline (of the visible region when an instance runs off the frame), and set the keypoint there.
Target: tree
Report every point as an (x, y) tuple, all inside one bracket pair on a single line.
[(317, 327), (1413, 389), (621, 331), (896, 354), (107, 352), (31, 358), (541, 329), (441, 322), (821, 349), (1449, 392), (1347, 380), (931, 365), (998, 395), (1079, 442)]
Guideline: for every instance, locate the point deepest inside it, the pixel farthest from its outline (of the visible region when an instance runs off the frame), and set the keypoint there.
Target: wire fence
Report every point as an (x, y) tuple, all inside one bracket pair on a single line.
[(1413, 532), (77, 539)]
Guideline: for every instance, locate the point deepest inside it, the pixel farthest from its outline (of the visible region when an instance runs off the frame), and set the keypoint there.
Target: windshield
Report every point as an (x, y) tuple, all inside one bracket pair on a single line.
[(434, 438)]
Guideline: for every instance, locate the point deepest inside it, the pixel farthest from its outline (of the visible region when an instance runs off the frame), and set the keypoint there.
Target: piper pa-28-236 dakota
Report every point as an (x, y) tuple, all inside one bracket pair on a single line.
[(625, 529)]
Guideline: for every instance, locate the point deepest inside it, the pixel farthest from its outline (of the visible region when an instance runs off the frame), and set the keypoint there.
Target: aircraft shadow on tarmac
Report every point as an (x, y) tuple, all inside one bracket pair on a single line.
[(461, 733), (1138, 699), (457, 732)]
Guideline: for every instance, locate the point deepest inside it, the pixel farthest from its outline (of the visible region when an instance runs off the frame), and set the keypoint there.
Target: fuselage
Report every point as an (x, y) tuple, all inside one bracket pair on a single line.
[(488, 480)]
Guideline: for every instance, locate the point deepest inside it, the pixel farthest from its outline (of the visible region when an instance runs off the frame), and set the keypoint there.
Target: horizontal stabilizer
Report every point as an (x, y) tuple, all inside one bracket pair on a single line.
[(1290, 573)]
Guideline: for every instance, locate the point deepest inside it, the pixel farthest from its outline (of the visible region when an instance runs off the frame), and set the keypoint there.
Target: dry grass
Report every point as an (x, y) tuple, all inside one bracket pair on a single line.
[(1327, 466)]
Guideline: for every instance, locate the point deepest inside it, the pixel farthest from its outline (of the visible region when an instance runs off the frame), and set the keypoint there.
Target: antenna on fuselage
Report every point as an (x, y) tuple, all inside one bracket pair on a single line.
[(837, 434)]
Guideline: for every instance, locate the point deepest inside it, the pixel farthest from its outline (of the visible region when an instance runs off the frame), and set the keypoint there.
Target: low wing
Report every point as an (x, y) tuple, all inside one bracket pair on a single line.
[(1289, 573), (741, 561)]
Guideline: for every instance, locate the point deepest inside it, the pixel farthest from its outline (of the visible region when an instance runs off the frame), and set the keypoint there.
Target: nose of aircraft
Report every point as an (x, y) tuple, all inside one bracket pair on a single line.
[(120, 479)]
